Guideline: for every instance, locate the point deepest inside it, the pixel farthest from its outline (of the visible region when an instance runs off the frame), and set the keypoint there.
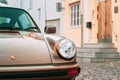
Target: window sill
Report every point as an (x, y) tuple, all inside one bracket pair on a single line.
[(75, 27)]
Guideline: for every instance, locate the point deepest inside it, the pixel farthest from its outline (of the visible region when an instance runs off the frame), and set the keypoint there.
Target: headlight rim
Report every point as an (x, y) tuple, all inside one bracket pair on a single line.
[(66, 58)]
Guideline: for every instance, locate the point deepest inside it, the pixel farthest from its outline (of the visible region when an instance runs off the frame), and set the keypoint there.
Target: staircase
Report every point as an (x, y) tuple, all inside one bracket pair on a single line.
[(98, 52)]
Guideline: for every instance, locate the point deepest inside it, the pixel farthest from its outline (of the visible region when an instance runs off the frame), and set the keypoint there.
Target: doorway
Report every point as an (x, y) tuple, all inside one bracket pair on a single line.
[(104, 21)]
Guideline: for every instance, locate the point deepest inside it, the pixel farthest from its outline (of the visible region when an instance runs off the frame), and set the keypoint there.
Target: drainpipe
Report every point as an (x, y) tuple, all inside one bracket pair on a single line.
[(21, 2), (81, 22)]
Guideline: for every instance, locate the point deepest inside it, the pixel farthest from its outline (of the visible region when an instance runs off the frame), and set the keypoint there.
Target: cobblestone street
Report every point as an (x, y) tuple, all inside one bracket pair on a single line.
[(99, 71)]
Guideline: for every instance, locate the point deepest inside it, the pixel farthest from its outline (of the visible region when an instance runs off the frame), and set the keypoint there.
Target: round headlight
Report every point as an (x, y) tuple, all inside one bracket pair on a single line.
[(66, 49)]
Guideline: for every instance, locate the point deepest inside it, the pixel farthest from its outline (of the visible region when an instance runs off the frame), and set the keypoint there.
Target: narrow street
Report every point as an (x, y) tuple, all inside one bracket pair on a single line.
[(99, 71)]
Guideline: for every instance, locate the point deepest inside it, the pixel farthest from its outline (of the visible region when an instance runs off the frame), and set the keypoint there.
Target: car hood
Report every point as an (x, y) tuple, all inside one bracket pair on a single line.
[(23, 49)]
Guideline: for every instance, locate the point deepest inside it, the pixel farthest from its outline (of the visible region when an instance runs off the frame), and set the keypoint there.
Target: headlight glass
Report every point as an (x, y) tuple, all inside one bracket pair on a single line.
[(66, 49)]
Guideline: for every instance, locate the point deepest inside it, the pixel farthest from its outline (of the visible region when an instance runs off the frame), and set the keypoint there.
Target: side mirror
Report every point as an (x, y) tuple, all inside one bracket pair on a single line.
[(50, 30)]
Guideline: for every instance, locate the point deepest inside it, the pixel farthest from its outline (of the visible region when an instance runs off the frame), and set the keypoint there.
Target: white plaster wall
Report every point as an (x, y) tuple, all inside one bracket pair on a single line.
[(12, 3), (51, 9)]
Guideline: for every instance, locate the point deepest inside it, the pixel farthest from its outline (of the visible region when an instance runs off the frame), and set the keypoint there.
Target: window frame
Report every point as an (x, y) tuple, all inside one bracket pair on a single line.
[(75, 14)]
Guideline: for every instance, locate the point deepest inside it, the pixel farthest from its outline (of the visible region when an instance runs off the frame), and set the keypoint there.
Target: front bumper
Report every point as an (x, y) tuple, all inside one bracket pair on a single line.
[(39, 71)]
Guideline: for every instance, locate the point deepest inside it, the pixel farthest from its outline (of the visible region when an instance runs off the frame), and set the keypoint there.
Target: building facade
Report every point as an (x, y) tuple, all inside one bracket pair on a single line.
[(92, 21), (72, 25)]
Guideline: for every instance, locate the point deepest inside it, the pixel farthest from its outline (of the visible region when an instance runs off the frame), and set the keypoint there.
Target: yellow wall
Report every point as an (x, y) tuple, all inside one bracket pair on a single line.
[(116, 24), (92, 17), (73, 33)]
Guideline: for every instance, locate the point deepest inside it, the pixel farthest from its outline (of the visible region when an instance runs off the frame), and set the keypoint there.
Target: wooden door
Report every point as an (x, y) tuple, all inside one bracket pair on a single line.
[(104, 20)]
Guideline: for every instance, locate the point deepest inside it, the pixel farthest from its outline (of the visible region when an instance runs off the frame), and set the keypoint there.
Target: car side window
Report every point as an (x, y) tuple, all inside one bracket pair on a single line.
[(16, 25), (4, 20), (24, 21)]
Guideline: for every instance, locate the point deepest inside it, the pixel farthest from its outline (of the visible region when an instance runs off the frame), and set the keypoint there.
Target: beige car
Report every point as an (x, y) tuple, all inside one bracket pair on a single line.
[(28, 54)]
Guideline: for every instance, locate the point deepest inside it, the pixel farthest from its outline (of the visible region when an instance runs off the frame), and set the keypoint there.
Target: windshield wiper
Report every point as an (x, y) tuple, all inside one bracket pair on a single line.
[(31, 29), (10, 28), (16, 28), (5, 28), (19, 28)]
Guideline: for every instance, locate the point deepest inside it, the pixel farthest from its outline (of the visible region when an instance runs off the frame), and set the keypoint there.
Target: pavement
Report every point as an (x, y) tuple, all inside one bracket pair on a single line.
[(99, 71)]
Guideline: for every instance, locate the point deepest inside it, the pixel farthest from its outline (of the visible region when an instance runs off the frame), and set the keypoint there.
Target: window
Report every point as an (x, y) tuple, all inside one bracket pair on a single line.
[(75, 14), (16, 19), (25, 21), (59, 7), (39, 13)]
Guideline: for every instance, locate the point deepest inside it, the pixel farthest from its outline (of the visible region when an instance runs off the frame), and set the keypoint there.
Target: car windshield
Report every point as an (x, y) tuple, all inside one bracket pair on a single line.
[(16, 19)]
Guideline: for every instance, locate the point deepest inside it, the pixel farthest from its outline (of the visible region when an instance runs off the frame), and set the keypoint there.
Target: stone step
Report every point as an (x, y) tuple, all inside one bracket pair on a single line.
[(99, 45), (97, 60), (105, 40), (86, 55), (106, 55), (98, 52), (102, 60), (86, 50), (99, 55)]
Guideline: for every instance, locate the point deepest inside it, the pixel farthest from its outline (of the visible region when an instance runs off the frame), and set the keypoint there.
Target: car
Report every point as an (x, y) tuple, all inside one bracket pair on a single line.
[(26, 53)]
